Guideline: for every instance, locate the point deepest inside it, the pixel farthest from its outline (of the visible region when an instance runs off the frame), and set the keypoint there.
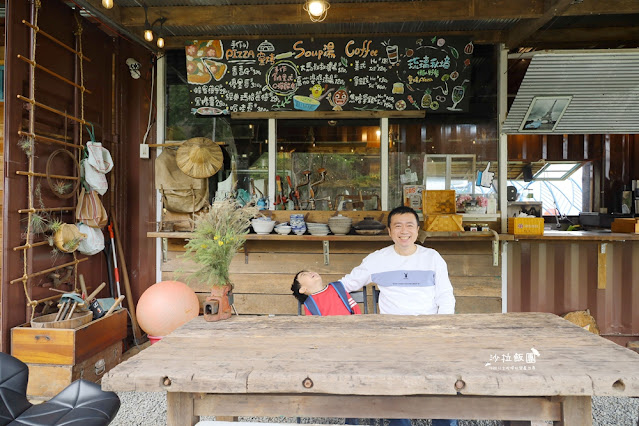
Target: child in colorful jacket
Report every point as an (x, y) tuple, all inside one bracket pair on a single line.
[(322, 299)]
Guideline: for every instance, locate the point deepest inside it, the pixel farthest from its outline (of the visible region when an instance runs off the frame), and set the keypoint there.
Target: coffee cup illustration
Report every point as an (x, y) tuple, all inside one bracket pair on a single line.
[(392, 53)]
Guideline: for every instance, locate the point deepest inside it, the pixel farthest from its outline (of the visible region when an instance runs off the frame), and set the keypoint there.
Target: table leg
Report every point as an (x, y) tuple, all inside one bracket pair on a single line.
[(576, 411), (179, 409)]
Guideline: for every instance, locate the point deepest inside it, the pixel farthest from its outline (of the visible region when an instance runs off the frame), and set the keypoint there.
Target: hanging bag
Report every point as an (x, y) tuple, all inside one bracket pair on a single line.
[(96, 164), (93, 243), (90, 210)]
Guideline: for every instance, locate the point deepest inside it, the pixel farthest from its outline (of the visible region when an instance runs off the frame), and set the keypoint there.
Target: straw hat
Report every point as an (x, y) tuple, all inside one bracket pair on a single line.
[(199, 158)]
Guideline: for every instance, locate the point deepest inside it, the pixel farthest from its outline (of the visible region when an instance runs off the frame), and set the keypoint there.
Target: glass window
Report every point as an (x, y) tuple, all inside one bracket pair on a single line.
[(328, 165), (244, 144), (558, 186)]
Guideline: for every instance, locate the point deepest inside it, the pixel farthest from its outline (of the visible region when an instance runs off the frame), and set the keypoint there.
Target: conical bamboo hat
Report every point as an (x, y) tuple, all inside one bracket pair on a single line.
[(199, 157)]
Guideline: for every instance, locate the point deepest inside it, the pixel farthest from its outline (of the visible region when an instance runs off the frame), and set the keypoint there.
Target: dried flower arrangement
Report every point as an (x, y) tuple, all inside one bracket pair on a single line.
[(217, 236)]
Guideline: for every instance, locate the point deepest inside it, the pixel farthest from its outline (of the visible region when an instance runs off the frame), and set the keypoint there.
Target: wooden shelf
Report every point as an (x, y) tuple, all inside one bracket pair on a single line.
[(437, 236)]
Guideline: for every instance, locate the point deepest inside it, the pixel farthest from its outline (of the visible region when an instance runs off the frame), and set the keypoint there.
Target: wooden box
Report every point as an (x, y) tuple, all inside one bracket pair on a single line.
[(443, 223), (439, 202), (626, 225), (56, 357)]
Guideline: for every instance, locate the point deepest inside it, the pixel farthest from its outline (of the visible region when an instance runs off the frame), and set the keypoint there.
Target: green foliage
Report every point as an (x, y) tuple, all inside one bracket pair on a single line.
[(61, 187), (55, 225), (26, 144), (72, 244), (39, 224), (217, 237)]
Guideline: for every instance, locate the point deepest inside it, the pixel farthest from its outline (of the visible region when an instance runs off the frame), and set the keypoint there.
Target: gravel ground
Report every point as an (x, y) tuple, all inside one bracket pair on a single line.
[(149, 409)]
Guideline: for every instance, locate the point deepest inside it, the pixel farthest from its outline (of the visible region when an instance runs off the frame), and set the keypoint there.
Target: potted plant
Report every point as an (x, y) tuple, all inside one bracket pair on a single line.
[(217, 236)]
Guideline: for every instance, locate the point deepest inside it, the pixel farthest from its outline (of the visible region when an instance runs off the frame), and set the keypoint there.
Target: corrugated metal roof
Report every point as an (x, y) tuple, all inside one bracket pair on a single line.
[(604, 89), (341, 28)]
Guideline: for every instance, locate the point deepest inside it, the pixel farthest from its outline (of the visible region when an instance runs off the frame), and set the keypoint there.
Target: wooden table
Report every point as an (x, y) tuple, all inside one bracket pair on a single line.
[(518, 366)]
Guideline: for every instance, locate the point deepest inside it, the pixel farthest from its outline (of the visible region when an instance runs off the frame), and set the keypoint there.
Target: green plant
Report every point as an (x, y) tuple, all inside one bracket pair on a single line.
[(39, 223), (55, 225), (61, 187), (72, 244), (26, 144), (217, 236)]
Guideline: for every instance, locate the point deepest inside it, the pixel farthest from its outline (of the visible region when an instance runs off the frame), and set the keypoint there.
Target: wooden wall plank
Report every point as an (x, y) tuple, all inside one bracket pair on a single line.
[(263, 278), (458, 265)]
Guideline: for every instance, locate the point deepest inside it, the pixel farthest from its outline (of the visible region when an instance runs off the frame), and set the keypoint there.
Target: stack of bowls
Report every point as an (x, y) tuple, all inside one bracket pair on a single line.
[(263, 225), (298, 225), (317, 228), (283, 228), (340, 225)]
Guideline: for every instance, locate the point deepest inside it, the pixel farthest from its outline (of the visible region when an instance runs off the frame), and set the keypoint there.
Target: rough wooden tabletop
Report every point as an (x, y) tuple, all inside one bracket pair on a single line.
[(515, 354)]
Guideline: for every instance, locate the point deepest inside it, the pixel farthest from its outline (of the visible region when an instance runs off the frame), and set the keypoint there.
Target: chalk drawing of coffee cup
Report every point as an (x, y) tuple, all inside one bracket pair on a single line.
[(392, 52)]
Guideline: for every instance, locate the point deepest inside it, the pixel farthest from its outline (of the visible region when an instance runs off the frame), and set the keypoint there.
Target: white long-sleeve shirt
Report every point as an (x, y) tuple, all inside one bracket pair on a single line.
[(409, 285)]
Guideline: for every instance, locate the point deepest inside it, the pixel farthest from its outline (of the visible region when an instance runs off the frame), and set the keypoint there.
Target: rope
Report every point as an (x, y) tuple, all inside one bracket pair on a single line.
[(78, 33), (29, 236), (91, 132)]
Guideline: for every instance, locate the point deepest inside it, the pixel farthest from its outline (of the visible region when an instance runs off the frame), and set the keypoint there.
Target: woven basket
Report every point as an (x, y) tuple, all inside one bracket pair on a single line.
[(78, 319)]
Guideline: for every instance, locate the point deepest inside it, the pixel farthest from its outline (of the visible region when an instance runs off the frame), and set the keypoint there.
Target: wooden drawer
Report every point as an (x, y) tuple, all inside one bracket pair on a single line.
[(67, 346), (46, 380)]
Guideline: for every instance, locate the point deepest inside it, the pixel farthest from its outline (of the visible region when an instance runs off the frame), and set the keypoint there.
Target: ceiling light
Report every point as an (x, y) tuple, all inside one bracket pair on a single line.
[(107, 4), (317, 9), (148, 28), (148, 33)]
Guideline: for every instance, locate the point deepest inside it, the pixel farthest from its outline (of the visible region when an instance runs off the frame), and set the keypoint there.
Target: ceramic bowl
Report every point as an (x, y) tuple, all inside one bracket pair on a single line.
[(261, 226), (340, 229), (283, 229)]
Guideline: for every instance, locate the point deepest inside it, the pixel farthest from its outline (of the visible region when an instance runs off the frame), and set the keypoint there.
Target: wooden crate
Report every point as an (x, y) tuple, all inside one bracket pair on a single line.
[(443, 223), (439, 202), (626, 225), (57, 357)]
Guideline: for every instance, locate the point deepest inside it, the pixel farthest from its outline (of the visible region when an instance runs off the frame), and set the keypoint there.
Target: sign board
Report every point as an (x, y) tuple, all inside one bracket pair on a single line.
[(347, 74)]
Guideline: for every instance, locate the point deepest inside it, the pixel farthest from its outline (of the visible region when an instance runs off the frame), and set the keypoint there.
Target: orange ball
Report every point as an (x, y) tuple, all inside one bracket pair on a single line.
[(165, 306)]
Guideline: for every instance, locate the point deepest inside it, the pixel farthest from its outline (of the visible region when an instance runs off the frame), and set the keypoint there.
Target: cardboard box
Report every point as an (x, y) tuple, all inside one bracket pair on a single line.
[(56, 356), (525, 226)]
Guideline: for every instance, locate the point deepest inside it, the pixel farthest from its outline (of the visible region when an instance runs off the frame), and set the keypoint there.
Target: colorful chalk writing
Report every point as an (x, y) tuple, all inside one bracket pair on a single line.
[(324, 74)]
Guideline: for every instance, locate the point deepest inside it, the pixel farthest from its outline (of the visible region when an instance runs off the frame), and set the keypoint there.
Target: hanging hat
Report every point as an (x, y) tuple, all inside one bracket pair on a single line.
[(199, 158)]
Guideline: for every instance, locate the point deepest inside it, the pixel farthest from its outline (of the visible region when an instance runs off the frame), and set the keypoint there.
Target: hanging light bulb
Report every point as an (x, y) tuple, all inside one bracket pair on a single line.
[(107, 4), (160, 41), (148, 35), (317, 9)]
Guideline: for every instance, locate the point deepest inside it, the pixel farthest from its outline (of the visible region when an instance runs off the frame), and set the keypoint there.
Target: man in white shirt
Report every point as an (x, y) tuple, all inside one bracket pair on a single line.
[(412, 279)]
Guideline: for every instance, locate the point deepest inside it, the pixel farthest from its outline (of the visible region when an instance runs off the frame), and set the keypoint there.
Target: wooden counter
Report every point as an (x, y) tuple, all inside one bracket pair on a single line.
[(263, 272), (432, 236)]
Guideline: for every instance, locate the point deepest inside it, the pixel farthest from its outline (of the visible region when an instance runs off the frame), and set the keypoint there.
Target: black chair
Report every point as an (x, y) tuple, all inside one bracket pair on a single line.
[(82, 403)]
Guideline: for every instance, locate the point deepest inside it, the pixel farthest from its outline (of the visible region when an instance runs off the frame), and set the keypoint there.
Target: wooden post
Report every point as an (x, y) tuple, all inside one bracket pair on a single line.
[(125, 276)]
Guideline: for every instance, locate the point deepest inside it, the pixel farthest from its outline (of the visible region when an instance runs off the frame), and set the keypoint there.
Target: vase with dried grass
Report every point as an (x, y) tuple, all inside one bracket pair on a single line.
[(217, 236)]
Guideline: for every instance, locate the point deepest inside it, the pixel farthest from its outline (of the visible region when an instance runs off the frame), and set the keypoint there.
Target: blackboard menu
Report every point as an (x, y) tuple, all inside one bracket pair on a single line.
[(344, 74)]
